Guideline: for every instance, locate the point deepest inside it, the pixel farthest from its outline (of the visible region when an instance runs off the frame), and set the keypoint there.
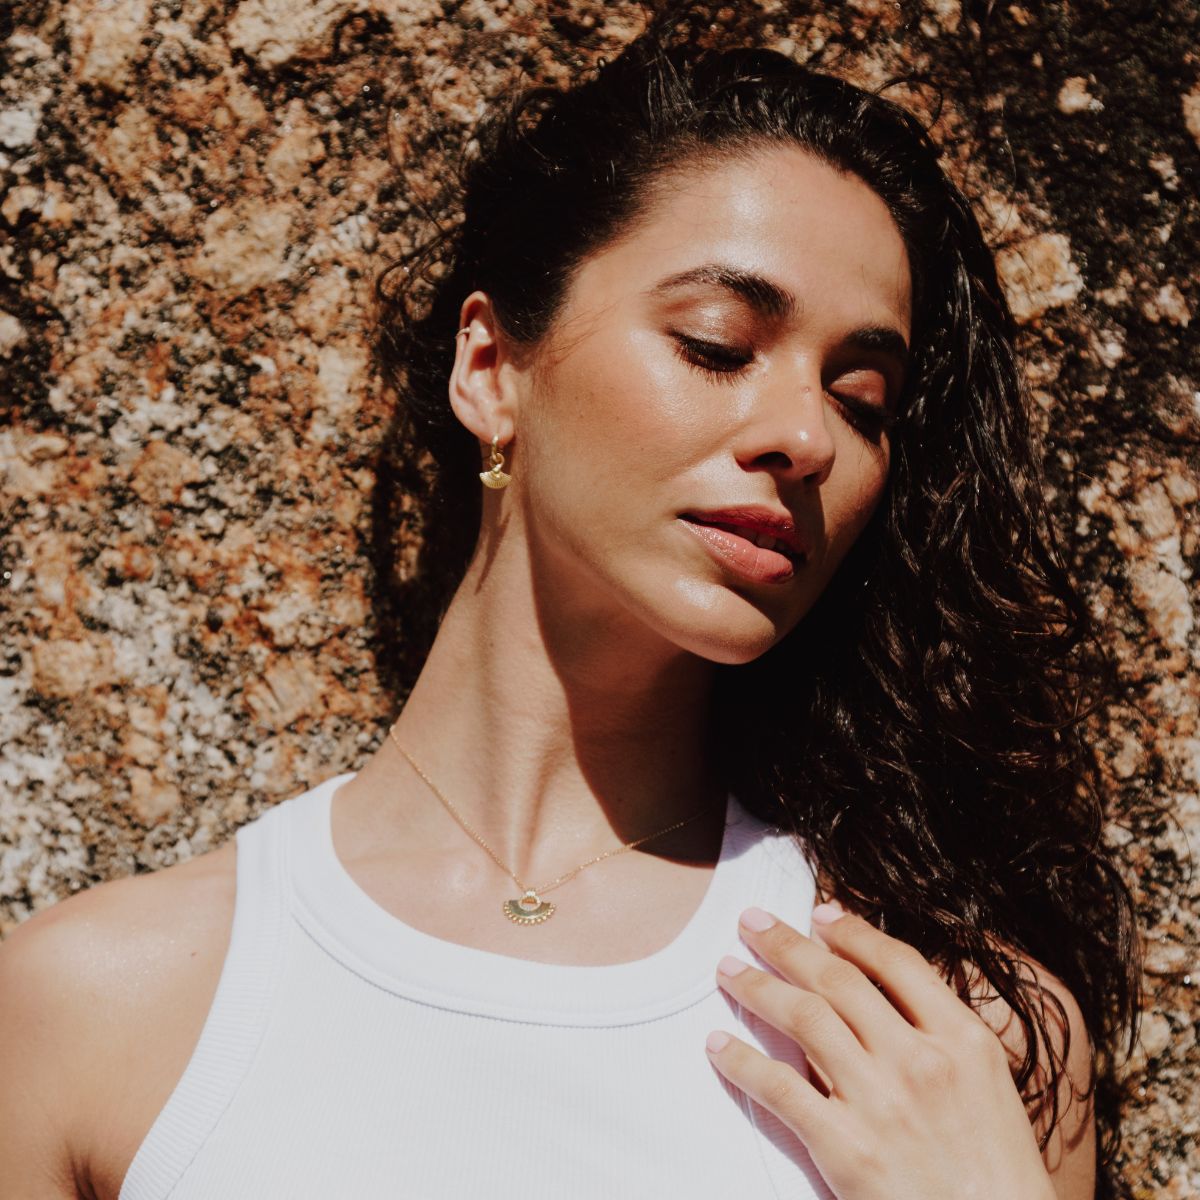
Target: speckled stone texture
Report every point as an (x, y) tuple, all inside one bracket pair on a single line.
[(194, 199)]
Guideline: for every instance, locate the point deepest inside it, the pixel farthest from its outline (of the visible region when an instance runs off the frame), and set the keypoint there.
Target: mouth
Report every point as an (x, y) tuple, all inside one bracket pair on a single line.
[(764, 548)]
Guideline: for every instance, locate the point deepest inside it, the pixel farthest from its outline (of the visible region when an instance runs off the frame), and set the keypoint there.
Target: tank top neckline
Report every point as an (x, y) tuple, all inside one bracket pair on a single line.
[(380, 947)]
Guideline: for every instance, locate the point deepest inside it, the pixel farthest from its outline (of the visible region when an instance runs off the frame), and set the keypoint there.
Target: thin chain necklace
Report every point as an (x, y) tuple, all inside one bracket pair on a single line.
[(530, 908)]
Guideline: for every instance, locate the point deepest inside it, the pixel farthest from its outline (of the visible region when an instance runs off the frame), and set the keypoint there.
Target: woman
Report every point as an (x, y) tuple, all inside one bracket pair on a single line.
[(750, 595)]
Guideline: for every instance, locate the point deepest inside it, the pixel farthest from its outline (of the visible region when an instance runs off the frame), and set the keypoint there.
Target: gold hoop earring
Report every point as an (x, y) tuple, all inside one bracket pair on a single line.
[(494, 476)]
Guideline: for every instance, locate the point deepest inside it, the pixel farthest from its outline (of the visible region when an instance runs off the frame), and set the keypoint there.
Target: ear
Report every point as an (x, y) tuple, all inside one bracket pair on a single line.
[(483, 394)]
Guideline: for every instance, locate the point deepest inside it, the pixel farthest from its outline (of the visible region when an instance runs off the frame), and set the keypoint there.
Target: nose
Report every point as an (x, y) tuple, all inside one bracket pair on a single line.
[(789, 433)]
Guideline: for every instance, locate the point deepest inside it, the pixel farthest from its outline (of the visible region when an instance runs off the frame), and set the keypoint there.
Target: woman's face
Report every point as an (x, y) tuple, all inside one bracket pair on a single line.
[(719, 378)]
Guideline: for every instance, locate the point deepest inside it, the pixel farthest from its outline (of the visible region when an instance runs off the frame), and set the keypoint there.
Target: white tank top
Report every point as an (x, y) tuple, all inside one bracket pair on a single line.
[(348, 1055)]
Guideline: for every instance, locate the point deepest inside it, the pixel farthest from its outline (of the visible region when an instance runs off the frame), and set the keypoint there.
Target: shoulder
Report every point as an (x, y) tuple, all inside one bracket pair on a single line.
[(1061, 1035), (149, 925), (92, 988)]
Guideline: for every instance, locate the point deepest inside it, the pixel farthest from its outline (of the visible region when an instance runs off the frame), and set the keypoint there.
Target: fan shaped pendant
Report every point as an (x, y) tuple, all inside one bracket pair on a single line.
[(531, 909), (495, 478)]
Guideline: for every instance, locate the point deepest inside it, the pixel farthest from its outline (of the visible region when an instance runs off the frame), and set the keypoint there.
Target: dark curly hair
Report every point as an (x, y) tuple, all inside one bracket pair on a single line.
[(920, 730)]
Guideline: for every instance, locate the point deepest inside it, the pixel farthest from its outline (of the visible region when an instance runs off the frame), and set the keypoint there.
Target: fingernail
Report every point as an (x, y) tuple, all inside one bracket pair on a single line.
[(756, 920), (731, 966), (826, 914), (716, 1041)]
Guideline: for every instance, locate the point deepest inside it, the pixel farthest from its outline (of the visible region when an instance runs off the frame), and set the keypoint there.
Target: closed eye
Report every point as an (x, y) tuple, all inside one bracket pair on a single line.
[(867, 397), (723, 363), (871, 420), (713, 359)]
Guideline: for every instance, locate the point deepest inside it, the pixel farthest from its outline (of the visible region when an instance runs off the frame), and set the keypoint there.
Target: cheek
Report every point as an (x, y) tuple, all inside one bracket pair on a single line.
[(619, 413), (858, 495)]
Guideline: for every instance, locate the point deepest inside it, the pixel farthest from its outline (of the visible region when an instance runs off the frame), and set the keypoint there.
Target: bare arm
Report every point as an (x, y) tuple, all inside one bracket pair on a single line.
[(38, 1009), (1070, 1154), (102, 999)]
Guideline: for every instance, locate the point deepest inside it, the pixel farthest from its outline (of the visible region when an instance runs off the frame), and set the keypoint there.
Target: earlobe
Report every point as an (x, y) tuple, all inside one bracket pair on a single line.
[(480, 393)]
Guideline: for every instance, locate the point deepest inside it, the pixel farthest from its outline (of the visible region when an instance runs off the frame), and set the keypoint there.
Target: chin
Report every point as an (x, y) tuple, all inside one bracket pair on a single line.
[(722, 626)]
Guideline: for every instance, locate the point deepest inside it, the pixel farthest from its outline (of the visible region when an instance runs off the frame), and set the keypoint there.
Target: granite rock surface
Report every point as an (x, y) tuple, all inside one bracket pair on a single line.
[(195, 198)]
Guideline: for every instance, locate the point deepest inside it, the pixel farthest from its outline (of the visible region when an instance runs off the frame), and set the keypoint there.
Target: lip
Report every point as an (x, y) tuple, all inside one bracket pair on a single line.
[(757, 517), (749, 560)]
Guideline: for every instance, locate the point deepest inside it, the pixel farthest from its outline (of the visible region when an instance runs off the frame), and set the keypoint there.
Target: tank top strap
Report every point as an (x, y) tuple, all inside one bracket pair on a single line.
[(237, 1017)]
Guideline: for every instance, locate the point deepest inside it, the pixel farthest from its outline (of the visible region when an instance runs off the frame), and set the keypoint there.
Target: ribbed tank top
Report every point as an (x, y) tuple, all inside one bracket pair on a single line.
[(347, 1054)]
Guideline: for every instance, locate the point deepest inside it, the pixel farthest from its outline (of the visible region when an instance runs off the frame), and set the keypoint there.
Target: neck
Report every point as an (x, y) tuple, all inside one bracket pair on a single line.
[(556, 725)]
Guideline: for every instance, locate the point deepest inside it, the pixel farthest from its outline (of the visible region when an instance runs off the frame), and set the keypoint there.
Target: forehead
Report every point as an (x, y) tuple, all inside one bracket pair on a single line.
[(779, 212)]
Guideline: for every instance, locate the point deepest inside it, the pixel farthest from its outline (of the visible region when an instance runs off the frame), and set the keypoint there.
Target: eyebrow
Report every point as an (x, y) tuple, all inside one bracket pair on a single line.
[(759, 292), (773, 300), (880, 339)]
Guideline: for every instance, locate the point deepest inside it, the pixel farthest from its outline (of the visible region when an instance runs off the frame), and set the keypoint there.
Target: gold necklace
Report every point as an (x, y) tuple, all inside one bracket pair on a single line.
[(530, 908)]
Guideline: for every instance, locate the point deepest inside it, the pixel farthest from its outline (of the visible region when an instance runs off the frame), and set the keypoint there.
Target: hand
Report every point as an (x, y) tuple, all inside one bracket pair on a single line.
[(917, 1102)]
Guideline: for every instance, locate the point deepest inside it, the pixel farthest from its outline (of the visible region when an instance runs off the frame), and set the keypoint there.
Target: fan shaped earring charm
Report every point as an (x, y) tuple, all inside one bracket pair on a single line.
[(494, 476)]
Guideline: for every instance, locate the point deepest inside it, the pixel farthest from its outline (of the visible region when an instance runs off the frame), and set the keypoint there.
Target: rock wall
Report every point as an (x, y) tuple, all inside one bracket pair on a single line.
[(195, 199)]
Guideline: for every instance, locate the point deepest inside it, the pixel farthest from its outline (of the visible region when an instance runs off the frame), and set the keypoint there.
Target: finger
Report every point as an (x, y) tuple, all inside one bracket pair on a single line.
[(907, 978), (808, 1019), (810, 965), (779, 1088)]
